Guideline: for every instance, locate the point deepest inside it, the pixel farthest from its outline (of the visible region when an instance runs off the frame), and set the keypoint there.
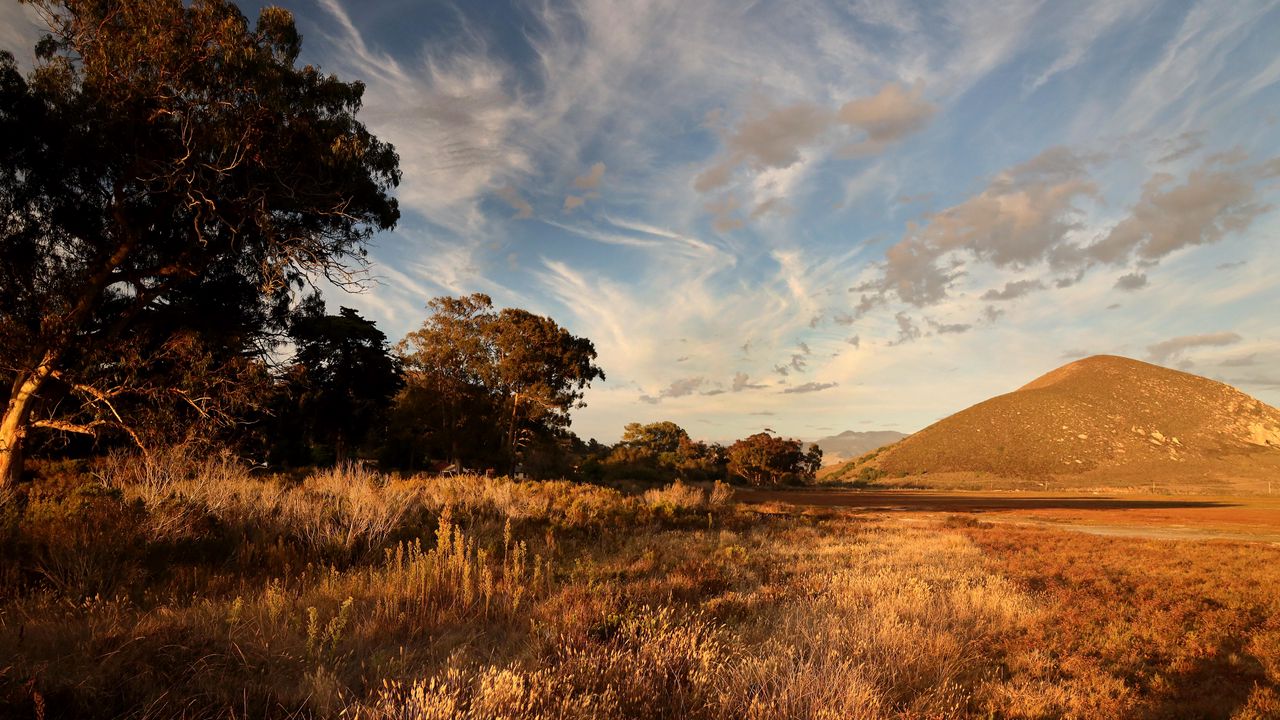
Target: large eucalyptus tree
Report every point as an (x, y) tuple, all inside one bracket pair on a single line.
[(159, 144)]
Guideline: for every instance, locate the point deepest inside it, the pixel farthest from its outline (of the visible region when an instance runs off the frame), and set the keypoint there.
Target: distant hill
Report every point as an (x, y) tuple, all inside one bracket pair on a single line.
[(851, 444), (1100, 421)]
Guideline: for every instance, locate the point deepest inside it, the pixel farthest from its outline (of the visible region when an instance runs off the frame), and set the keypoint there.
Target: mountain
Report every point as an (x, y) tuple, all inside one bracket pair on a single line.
[(851, 444), (1100, 421)]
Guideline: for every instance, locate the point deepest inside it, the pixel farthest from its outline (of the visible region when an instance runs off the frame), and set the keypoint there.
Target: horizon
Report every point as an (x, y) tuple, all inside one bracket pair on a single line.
[(817, 219)]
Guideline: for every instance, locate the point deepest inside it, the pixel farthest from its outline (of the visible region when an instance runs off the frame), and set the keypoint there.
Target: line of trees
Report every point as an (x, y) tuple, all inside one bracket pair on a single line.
[(658, 451), (171, 185)]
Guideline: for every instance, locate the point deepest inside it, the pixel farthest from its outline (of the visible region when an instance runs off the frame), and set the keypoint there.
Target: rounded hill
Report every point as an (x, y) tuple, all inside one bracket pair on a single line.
[(1096, 414)]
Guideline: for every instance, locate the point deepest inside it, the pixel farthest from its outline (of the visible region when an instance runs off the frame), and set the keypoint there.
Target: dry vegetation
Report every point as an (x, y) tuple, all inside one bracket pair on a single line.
[(1101, 422), (188, 588)]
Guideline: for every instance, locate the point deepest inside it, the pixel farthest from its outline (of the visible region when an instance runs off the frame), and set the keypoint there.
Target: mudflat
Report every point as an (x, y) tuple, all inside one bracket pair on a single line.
[(1198, 517)]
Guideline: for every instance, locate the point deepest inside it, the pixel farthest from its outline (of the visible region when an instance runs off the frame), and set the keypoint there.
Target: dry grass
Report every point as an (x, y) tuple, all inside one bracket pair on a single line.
[(162, 593)]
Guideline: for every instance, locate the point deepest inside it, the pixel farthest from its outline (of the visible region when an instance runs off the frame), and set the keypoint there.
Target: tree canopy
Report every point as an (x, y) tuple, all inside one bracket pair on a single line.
[(162, 154), (339, 384), (659, 437), (765, 459), (482, 384)]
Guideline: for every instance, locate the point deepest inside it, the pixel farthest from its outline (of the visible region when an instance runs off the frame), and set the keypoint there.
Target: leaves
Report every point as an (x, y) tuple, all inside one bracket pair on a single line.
[(476, 379)]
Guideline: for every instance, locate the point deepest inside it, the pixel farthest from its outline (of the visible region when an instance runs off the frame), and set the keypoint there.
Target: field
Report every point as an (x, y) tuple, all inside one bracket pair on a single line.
[(189, 588)]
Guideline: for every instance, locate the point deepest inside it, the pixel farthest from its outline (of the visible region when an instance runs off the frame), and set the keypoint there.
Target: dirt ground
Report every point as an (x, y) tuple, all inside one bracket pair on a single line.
[(1196, 517)]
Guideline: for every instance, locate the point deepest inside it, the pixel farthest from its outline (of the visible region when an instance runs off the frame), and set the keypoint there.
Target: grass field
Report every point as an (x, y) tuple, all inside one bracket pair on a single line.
[(191, 589)]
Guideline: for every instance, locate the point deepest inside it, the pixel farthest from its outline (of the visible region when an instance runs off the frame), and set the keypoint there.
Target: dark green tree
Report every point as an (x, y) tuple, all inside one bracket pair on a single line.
[(159, 145), (340, 384)]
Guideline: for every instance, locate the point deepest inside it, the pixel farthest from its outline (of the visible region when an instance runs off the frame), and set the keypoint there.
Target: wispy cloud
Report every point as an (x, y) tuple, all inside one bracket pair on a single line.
[(715, 176), (1171, 349), (809, 387)]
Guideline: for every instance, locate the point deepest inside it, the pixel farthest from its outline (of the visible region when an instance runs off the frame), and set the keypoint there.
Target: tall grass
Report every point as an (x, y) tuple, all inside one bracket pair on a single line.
[(186, 586)]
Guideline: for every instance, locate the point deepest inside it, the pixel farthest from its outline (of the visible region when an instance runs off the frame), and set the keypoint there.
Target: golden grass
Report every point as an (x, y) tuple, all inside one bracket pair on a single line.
[(355, 595)]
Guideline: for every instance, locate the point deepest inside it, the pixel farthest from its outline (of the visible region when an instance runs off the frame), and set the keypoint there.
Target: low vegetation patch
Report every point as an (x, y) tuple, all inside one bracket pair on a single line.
[(152, 590)]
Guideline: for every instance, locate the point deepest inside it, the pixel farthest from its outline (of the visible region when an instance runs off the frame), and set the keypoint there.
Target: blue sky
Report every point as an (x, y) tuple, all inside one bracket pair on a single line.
[(816, 216)]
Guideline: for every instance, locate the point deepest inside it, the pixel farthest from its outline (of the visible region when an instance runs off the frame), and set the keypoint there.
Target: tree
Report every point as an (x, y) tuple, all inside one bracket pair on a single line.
[(159, 143), (658, 437), (657, 451), (764, 459), (480, 384), (340, 382)]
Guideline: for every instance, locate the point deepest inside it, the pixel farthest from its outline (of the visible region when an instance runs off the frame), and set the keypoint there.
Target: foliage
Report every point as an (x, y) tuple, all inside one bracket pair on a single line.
[(658, 451), (657, 438), (482, 385), (764, 459), (163, 154), (339, 386)]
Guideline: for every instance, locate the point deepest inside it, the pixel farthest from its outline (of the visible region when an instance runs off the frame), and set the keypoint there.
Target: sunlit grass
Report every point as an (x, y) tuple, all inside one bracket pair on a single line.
[(201, 590)]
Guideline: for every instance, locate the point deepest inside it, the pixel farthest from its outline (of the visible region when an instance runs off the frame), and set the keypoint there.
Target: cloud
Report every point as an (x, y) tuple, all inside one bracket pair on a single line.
[(1232, 265), (742, 381), (854, 340), (1084, 26), (950, 329), (886, 117), (1014, 290), (1184, 145), (451, 116), (573, 202), (724, 213), (1030, 214), (1261, 381), (522, 207), (1023, 214), (591, 180), (907, 329), (844, 319), (1162, 352), (1241, 361), (1131, 282), (1216, 199), (20, 28), (768, 139), (772, 138), (678, 388), (772, 205), (809, 387)]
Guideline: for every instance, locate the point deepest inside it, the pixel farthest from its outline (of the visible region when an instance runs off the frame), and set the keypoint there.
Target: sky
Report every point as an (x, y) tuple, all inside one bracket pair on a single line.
[(816, 216)]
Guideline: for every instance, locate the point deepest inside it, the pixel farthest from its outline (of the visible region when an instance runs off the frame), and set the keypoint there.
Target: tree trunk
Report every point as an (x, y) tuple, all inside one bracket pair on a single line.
[(13, 426), (511, 434)]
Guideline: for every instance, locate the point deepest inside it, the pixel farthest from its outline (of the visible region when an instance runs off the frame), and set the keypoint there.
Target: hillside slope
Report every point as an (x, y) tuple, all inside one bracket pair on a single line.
[(852, 443), (1101, 415)]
